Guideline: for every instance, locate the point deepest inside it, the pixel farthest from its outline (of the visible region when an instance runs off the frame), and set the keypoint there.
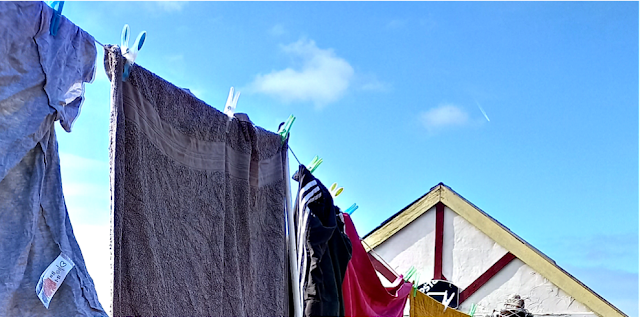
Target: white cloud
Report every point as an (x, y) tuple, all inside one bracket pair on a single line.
[(158, 8), (171, 6), (369, 82), (444, 116), (322, 78), (375, 86), (277, 30)]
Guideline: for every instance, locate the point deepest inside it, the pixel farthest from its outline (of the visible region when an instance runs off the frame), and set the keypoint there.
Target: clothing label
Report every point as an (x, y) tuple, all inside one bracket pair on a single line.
[(52, 278)]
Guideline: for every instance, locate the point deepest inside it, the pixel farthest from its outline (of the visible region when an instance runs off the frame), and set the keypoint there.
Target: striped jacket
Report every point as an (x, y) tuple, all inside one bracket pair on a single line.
[(323, 249)]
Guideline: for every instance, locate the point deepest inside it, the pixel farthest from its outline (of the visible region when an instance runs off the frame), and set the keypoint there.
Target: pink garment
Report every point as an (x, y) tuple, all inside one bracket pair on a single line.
[(363, 293)]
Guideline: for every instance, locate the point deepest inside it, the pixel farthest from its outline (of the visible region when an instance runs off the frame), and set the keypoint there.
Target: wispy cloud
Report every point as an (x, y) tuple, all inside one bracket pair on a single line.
[(369, 82), (483, 112), (322, 78), (397, 23), (158, 8), (177, 73), (605, 262), (444, 116), (375, 86), (170, 6), (617, 286), (175, 59), (277, 30), (615, 251)]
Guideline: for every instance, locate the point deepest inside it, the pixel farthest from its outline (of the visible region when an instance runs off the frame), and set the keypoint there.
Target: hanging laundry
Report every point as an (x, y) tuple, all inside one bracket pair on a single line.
[(198, 213), (424, 306), (364, 294), (41, 81), (324, 250)]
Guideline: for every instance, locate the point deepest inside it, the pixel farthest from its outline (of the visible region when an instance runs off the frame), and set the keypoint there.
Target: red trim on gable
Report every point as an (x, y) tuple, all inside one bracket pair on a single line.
[(484, 278), (382, 269), (437, 268)]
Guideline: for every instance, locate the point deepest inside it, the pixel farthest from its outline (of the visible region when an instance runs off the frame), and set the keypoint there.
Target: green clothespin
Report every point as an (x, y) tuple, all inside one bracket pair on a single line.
[(284, 129), (335, 190), (314, 164), (415, 285), (473, 310), (410, 274)]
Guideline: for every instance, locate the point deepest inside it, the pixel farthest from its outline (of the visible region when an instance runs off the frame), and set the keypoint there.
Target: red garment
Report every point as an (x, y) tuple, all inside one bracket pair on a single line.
[(363, 293)]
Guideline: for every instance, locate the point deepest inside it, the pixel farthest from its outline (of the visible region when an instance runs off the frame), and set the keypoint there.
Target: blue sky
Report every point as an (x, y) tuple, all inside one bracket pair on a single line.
[(389, 95)]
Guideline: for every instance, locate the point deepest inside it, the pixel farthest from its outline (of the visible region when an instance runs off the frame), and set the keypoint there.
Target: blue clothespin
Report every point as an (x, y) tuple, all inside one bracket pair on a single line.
[(286, 127), (314, 164), (55, 19), (130, 53), (351, 209)]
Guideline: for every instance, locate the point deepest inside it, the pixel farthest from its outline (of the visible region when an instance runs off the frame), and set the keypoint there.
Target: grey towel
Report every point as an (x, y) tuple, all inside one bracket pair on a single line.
[(41, 81), (198, 213)]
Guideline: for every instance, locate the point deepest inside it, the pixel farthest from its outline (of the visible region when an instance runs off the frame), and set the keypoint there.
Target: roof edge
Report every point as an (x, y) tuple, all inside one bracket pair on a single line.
[(402, 210), (404, 217)]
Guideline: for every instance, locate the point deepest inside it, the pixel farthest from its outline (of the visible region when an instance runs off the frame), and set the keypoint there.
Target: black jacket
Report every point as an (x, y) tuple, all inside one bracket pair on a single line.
[(326, 249)]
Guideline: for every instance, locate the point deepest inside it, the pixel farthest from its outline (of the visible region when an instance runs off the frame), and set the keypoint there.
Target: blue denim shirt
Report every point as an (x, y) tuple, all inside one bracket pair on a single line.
[(41, 81)]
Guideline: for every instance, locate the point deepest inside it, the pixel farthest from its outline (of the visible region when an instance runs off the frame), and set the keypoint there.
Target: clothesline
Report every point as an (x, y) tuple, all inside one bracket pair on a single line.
[(380, 258), (294, 154)]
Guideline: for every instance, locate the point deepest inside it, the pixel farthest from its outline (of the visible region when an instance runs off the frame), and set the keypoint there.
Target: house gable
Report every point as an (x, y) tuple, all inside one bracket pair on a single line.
[(498, 233)]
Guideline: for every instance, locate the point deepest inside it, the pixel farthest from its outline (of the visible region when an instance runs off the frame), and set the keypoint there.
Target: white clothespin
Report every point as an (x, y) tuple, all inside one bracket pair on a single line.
[(130, 53), (232, 102)]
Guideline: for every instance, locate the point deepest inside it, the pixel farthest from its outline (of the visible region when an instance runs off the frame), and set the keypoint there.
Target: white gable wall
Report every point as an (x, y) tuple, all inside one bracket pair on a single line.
[(541, 296), (473, 251), (467, 254), (412, 246)]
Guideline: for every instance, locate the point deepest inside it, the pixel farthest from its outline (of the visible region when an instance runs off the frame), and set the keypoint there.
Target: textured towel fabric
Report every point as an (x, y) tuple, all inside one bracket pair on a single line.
[(41, 81), (364, 294), (324, 250), (198, 212), (425, 306)]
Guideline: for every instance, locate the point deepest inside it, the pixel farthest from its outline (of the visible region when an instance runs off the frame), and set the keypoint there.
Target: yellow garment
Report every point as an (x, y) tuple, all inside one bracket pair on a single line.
[(425, 306)]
